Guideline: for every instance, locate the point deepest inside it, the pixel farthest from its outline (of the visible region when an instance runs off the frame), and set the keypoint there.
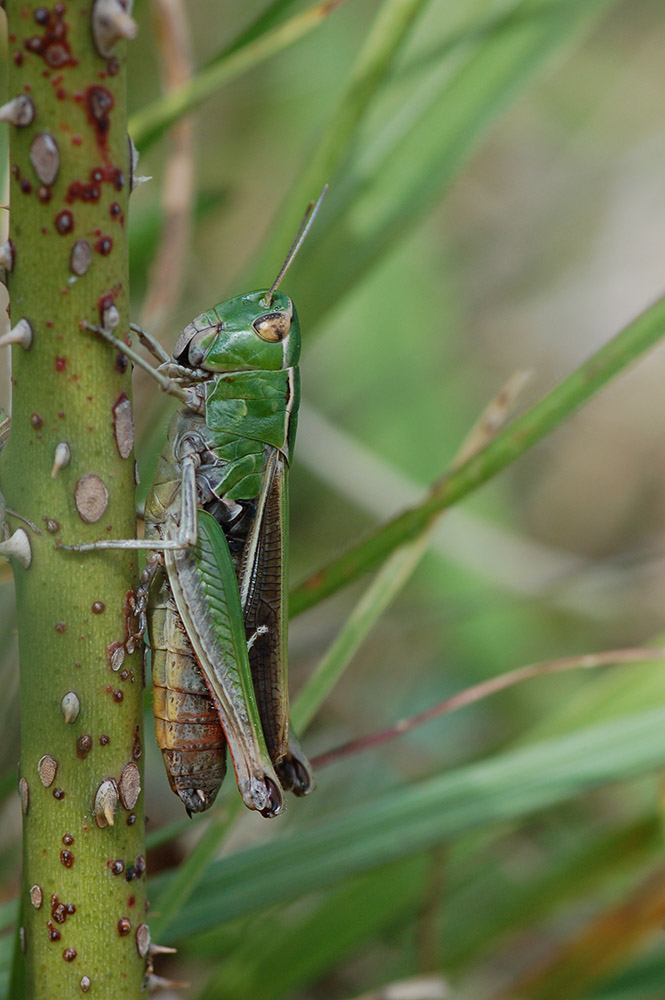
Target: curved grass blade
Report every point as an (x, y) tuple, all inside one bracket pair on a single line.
[(281, 957), (601, 945)]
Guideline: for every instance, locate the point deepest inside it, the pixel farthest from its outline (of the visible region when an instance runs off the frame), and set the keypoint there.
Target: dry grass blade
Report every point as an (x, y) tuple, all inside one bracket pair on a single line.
[(492, 419), (604, 943), (417, 988), (477, 692), (167, 273)]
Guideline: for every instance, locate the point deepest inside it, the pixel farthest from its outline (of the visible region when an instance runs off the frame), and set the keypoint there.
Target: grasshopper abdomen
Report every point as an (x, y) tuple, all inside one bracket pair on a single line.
[(187, 727)]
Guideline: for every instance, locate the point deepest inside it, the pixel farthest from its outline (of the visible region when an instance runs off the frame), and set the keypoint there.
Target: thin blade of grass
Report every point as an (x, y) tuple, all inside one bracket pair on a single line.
[(567, 397), (579, 869), (408, 161), (396, 572), (186, 878), (375, 61), (167, 270), (148, 124), (642, 980), (288, 954), (266, 20)]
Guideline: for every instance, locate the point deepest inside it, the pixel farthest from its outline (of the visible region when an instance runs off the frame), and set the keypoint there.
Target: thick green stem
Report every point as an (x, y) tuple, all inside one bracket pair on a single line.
[(68, 471)]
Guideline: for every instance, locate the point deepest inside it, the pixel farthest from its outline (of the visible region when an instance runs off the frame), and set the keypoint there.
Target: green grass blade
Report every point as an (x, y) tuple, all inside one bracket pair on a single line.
[(491, 904), (266, 20), (375, 60), (414, 818), (189, 873), (642, 980), (378, 596), (614, 357), (148, 124), (291, 951), (407, 161)]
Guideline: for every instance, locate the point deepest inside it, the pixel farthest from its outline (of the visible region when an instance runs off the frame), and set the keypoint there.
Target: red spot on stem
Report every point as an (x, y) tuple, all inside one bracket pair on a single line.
[(64, 222), (52, 45)]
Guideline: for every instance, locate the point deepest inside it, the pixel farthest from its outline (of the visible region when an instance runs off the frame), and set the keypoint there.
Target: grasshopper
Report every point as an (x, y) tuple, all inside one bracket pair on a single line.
[(213, 593)]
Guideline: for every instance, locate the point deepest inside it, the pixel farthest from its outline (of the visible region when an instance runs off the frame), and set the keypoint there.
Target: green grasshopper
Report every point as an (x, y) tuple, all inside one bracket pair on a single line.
[(213, 592)]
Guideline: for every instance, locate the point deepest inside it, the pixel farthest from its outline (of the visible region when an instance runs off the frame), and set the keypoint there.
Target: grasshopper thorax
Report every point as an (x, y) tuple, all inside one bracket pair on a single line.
[(258, 331)]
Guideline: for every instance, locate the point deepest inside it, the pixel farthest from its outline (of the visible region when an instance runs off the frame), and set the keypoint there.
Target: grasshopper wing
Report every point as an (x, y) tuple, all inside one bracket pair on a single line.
[(205, 590), (263, 593)]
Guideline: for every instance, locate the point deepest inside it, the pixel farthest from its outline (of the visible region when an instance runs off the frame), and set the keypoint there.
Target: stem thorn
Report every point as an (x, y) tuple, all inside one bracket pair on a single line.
[(111, 21), (20, 111), (71, 706), (17, 546), (61, 458), (106, 802), (158, 983), (6, 256), (19, 334), (162, 949)]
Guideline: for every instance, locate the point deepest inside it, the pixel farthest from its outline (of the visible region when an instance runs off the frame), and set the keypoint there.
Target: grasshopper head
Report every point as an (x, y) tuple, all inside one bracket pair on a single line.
[(258, 331)]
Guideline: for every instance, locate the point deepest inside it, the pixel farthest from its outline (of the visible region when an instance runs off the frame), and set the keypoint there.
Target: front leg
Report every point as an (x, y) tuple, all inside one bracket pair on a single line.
[(190, 399), (181, 534)]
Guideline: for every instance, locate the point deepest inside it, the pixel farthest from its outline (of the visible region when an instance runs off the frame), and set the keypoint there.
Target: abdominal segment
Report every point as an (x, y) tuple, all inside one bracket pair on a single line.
[(187, 727)]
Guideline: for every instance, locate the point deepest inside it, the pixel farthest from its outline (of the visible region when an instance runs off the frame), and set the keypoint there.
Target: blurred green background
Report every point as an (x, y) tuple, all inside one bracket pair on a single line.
[(498, 206)]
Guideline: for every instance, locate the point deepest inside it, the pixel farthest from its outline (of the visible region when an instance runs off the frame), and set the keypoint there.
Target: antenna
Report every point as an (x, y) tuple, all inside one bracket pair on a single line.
[(311, 212)]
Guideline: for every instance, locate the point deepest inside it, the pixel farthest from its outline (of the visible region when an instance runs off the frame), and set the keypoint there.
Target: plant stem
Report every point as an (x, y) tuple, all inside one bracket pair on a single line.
[(83, 891)]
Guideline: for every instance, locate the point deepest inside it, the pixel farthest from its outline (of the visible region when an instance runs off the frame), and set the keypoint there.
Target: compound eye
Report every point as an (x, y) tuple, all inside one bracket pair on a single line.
[(273, 326)]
